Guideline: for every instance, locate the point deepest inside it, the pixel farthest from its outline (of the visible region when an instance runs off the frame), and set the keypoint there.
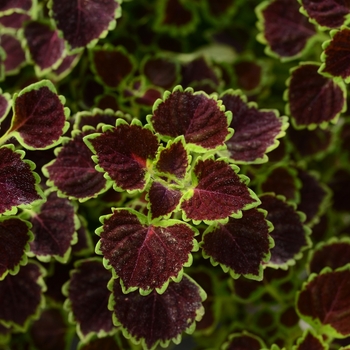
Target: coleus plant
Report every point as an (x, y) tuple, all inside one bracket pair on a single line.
[(137, 157)]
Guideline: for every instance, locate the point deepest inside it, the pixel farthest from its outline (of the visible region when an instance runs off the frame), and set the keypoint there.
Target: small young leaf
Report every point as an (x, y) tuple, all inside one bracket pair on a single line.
[(88, 295), (241, 245), (158, 318), (22, 296), (145, 255), (199, 118), (39, 116), (324, 302), (218, 192), (312, 98), (309, 341), (83, 23)]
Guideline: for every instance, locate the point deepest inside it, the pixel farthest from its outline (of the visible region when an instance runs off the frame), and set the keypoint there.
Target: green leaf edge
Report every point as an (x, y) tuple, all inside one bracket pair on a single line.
[(314, 334), (225, 346), (7, 97)]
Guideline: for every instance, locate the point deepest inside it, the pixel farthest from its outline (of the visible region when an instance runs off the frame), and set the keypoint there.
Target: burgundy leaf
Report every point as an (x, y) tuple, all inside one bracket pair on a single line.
[(163, 200), (340, 186), (219, 192), (15, 4), (88, 297), (14, 20), (310, 342), (4, 105), (285, 29), (54, 229), (336, 55), (39, 115), (327, 13), (96, 117), (249, 74), (15, 56), (122, 158), (73, 171), (14, 237), (44, 44), (314, 99), (218, 10), (21, 296), (111, 64), (333, 254), (325, 300), (83, 22), (145, 256), (243, 341), (241, 245), (108, 101), (256, 130), (17, 181), (173, 160), (149, 97), (289, 234), (84, 245), (67, 64), (199, 118), (159, 318)]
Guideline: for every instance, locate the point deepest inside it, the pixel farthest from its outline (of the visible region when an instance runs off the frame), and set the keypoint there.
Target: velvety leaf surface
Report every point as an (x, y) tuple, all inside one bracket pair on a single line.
[(173, 160), (289, 234), (310, 342), (333, 254), (111, 64), (163, 200), (161, 72), (15, 4), (14, 237), (158, 317), (336, 55), (14, 20), (285, 29), (53, 228), (240, 245), (196, 116), (144, 256), (73, 171), (17, 181), (324, 301), (219, 192), (313, 99), (88, 297), (15, 55), (82, 22), (256, 130), (21, 296), (124, 159), (327, 13), (39, 115), (44, 44)]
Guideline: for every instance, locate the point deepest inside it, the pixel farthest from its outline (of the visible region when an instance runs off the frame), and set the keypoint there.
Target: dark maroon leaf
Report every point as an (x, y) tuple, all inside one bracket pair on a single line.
[(324, 301), (73, 171), (21, 296), (219, 192), (15, 56), (14, 237), (88, 297), (249, 74), (15, 4), (313, 195), (18, 183), (333, 254), (39, 116), (45, 46), (54, 229), (108, 101), (14, 20), (241, 245), (310, 342), (173, 160), (289, 234), (340, 186), (148, 98), (84, 245), (289, 317), (112, 65), (121, 157), (159, 318), (84, 22), (163, 200), (285, 29), (256, 131), (4, 105), (50, 331), (327, 13), (243, 341), (145, 256), (96, 117), (336, 55), (199, 118), (314, 99), (218, 11), (67, 64)]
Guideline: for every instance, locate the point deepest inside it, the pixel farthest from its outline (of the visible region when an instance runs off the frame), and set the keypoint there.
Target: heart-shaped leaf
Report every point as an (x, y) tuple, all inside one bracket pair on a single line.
[(145, 255), (158, 318)]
